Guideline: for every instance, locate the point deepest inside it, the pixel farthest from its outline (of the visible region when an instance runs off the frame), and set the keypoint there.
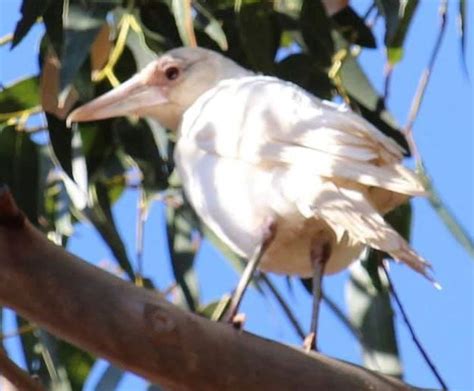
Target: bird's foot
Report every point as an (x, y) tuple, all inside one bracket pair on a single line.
[(238, 321), (309, 342)]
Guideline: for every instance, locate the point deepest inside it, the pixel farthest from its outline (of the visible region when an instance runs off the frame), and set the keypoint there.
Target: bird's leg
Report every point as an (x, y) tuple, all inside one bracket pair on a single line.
[(320, 253), (269, 231)]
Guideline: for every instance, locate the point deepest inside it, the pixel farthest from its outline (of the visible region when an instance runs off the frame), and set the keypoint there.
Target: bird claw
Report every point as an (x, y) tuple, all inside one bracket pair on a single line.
[(309, 342), (238, 321)]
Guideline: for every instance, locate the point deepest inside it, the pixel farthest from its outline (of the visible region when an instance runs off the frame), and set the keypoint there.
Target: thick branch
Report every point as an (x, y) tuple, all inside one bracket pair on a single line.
[(138, 330)]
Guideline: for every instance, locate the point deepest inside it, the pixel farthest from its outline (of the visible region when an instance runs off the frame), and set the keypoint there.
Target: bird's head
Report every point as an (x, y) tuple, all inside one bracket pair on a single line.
[(164, 89)]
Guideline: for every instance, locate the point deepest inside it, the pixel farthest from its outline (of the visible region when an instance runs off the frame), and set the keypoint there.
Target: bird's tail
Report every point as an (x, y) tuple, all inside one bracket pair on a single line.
[(348, 210)]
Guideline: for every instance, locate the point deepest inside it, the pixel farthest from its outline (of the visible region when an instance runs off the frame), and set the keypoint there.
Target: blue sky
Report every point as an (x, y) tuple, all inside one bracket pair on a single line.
[(444, 132)]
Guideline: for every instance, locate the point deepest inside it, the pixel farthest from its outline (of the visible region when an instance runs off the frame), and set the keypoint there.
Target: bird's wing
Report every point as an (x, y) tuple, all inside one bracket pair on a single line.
[(335, 141), (265, 121), (348, 210)]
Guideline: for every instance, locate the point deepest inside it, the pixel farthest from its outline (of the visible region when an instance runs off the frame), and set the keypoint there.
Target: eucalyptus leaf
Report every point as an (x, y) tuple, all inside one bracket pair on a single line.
[(370, 310), (256, 19), (82, 25), (353, 28), (182, 12), (100, 214), (369, 102), (141, 143), (19, 96), (462, 19), (20, 170), (53, 22), (31, 10), (398, 17), (210, 25), (60, 137), (308, 73), (316, 29), (110, 378), (181, 224)]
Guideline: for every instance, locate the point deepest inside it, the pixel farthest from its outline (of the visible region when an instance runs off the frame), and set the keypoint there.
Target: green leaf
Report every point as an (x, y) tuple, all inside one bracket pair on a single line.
[(257, 20), (182, 12), (462, 16), (181, 225), (215, 309), (353, 28), (157, 19), (210, 25), (142, 54), (305, 71), (394, 55), (60, 137), (316, 29), (77, 363), (20, 170), (140, 142), (389, 9), (53, 21), (369, 102), (31, 10), (371, 311), (110, 378), (21, 95), (100, 214), (401, 219), (82, 25), (398, 16)]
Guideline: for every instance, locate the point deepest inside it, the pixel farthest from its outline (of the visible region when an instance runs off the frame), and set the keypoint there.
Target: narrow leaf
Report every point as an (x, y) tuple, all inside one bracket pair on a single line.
[(462, 26), (110, 378), (31, 10), (19, 169), (370, 310), (100, 214), (19, 96), (316, 29), (53, 21), (353, 28), (211, 26), (184, 21), (181, 224), (81, 28), (257, 20)]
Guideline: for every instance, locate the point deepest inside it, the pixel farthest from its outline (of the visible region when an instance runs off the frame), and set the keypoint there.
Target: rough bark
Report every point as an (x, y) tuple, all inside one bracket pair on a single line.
[(140, 331)]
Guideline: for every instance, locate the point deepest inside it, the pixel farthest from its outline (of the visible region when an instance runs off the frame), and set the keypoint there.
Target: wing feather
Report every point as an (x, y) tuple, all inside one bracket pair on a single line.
[(347, 208)]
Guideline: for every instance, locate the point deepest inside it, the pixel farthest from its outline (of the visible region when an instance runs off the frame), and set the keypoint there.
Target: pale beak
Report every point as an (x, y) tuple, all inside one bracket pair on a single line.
[(134, 97)]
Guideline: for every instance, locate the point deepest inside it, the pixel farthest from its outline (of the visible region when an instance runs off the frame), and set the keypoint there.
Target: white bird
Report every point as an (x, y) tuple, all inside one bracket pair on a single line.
[(295, 183)]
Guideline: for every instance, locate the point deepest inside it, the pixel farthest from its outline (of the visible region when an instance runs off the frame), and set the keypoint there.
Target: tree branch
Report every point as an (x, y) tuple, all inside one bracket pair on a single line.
[(137, 329)]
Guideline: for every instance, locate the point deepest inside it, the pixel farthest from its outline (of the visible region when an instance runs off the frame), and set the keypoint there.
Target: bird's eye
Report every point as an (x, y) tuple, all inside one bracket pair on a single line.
[(172, 73)]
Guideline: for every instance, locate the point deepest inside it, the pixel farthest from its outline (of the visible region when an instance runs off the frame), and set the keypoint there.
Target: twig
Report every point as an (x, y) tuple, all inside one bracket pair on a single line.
[(27, 328), (16, 376), (387, 81), (32, 129), (446, 216), (141, 217), (411, 330), (284, 306), (6, 39), (423, 82), (457, 230)]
